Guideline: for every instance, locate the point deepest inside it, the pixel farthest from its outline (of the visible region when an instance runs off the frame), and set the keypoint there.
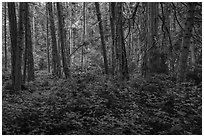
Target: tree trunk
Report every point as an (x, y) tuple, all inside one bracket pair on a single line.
[(16, 43), (193, 58), (55, 56), (102, 36), (33, 30), (182, 69), (20, 44), (62, 37), (47, 40), (5, 48), (28, 43), (122, 58), (112, 25), (83, 35), (25, 61), (144, 32), (166, 34), (152, 50), (70, 36), (21, 24), (13, 37)]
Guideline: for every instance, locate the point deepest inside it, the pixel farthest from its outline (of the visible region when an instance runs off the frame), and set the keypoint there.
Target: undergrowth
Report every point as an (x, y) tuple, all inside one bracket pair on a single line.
[(92, 104)]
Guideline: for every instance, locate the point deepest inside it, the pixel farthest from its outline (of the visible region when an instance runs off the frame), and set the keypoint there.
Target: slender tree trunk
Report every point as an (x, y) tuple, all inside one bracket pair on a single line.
[(13, 37), (54, 6), (122, 58), (68, 45), (5, 50), (144, 33), (28, 42), (70, 36), (193, 58), (62, 37), (47, 40), (73, 30), (149, 36), (102, 37), (34, 35), (25, 70), (83, 35), (129, 57), (112, 24), (166, 33), (25, 61), (18, 73), (152, 37), (186, 43), (173, 32), (55, 56)]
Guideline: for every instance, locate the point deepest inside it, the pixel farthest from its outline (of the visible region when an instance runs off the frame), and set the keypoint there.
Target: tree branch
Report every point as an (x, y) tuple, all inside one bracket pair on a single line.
[(81, 45), (175, 16)]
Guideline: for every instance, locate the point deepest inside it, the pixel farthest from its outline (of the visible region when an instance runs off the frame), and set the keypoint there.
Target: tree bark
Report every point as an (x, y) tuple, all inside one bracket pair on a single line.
[(47, 40), (102, 36), (25, 62), (62, 38), (5, 48), (152, 36), (83, 35), (21, 25), (122, 58), (144, 32), (28, 43), (55, 56), (70, 36), (193, 58), (16, 43), (112, 22), (186, 42), (166, 33), (13, 37), (33, 30)]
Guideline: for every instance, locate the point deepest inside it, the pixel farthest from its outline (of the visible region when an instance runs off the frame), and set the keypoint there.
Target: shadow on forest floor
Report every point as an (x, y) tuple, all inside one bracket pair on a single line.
[(93, 104)]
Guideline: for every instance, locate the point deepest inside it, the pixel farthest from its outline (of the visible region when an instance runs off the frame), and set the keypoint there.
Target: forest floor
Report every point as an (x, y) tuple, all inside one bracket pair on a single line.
[(92, 104)]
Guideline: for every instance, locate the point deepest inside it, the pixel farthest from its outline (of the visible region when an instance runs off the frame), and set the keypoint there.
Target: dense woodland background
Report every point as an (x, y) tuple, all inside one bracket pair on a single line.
[(102, 68)]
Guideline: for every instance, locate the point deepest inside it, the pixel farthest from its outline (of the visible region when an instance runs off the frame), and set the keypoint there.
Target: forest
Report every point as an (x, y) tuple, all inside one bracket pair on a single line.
[(101, 68)]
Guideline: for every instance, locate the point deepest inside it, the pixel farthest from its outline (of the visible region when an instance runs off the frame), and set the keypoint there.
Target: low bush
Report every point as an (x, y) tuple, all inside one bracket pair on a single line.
[(94, 104)]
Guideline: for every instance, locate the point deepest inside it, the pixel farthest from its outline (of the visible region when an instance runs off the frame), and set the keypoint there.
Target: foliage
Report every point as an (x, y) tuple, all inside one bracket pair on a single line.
[(93, 104), (90, 102)]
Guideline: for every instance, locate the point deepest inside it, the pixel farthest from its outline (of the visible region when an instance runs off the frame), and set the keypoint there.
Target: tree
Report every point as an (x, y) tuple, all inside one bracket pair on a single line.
[(152, 36), (16, 43), (144, 24), (47, 39), (62, 38), (119, 58), (28, 52), (5, 48), (132, 37), (102, 37), (25, 62), (13, 35), (186, 42), (28, 44), (155, 58), (70, 34), (83, 34), (122, 59), (55, 56), (112, 25)]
